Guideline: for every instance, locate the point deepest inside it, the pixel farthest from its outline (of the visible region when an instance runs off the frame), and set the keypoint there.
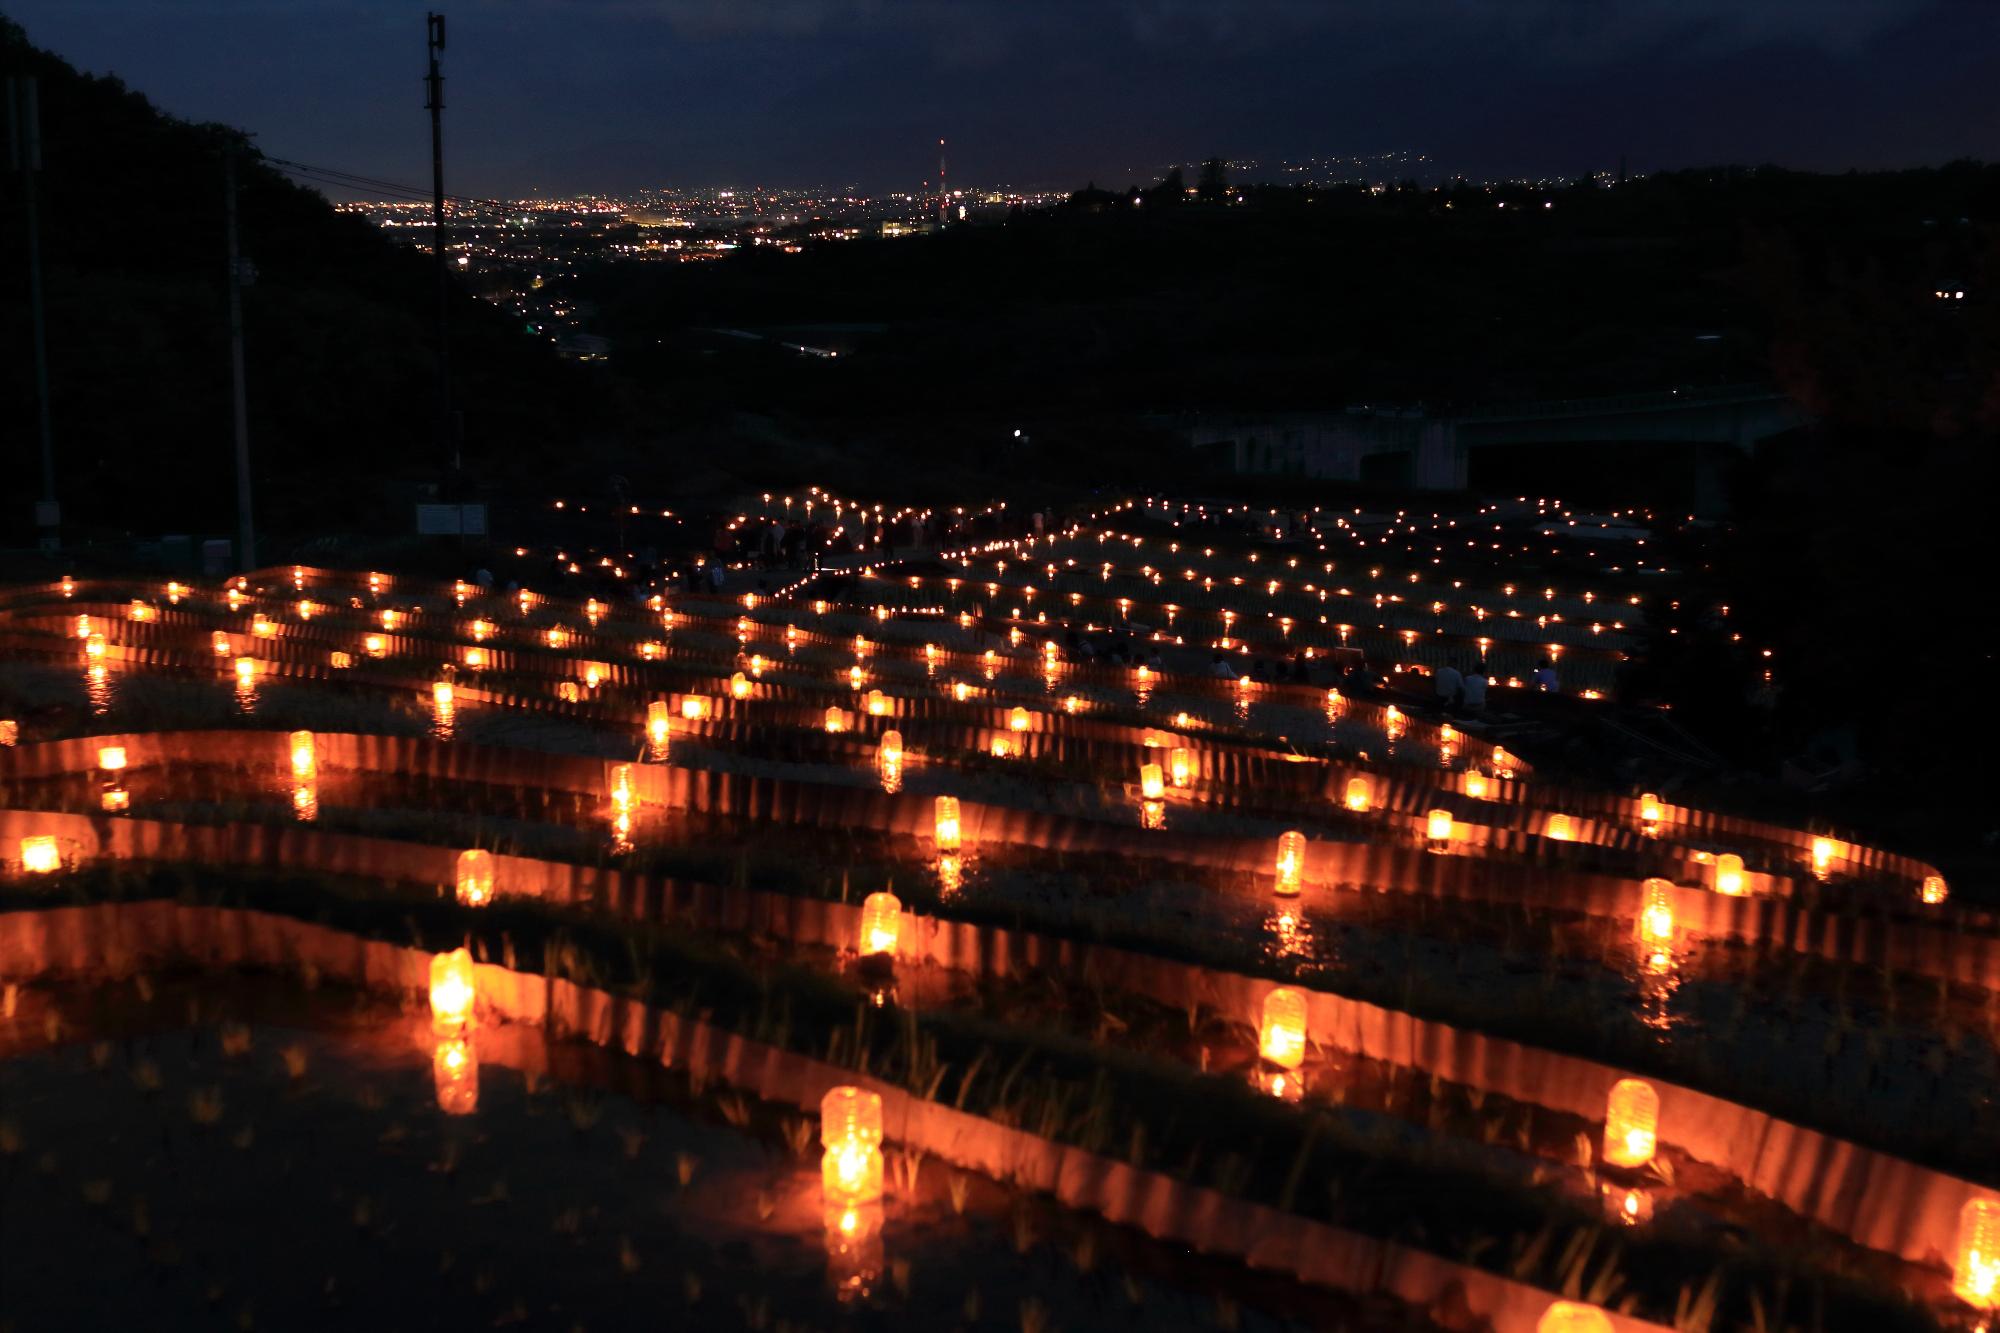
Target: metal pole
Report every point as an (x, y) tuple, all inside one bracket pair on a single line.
[(27, 156), (246, 539), (434, 102)]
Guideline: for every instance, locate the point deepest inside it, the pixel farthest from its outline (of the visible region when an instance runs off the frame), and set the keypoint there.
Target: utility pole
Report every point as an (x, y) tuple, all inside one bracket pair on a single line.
[(239, 278), (25, 156), (434, 102)]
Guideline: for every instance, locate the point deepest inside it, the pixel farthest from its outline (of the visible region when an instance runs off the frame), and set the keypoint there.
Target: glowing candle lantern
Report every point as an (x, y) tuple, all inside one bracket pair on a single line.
[(40, 855), (1476, 784), (1393, 722), (1017, 720), (593, 675), (1291, 865), (455, 1069), (1180, 766), (1656, 915), (1560, 828), (739, 686), (1933, 891), (889, 750), (220, 642), (856, 677), (475, 878), (694, 707), (141, 611), (261, 627), (1573, 1317), (960, 691), (339, 661), (881, 923), (1360, 793), (1823, 852), (945, 824), (1003, 747), (659, 722), (374, 645), (1729, 875), (441, 693), (850, 1131), (623, 796), (1152, 782), (246, 670), (111, 758), (1281, 1037), (114, 800), (1631, 1123), (451, 993), (1437, 828), (482, 630), (476, 659), (878, 703), (1975, 1267), (836, 719), (10, 732)]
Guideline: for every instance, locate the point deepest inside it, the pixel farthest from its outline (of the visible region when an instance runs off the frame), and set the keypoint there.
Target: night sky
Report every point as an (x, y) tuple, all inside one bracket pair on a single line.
[(569, 95)]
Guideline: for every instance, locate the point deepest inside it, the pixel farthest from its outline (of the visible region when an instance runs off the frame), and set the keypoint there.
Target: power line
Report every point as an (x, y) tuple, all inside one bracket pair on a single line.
[(353, 181)]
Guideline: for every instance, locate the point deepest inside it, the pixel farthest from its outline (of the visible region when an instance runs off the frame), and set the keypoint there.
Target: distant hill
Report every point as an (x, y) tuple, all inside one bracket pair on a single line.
[(338, 335)]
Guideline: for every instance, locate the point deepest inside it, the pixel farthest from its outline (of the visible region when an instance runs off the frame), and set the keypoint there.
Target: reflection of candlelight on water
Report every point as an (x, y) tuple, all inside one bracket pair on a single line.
[(951, 874), (455, 1069), (853, 1249), (1152, 814), (475, 877), (1626, 1206), (850, 1130), (305, 761), (1291, 862), (305, 802), (452, 993)]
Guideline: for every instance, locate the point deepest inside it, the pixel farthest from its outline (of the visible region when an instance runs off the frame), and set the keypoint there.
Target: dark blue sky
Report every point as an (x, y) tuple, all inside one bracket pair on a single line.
[(613, 94)]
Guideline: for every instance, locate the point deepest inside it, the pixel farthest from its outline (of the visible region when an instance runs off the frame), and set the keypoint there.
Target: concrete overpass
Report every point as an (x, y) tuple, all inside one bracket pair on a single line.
[(1411, 446)]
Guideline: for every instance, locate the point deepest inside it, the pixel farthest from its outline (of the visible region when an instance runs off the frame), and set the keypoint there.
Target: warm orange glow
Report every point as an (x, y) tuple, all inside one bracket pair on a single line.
[(246, 669), (441, 693), (455, 1069), (1933, 890), (339, 661), (836, 719), (262, 627), (1975, 1264), (856, 677), (1182, 767), (1729, 875), (1573, 1317), (1560, 828), (1393, 722), (1360, 793), (220, 641), (1002, 747), (141, 611), (960, 691), (1281, 1038), (476, 659), (40, 855), (452, 993), (1823, 852), (111, 758), (374, 645), (1291, 866), (623, 795), (1152, 782), (1437, 828), (93, 647), (659, 722), (114, 800), (881, 922), (1017, 720), (1656, 915), (850, 1131), (1649, 811), (694, 707), (946, 824), (475, 878), (1631, 1123)]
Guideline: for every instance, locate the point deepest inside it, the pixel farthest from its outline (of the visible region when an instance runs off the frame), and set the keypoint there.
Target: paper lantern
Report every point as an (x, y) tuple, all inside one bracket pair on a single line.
[(94, 647), (246, 670), (1649, 811), (451, 993), (1437, 828), (482, 630), (10, 732), (1656, 914), (475, 878), (261, 627), (40, 855), (946, 826), (593, 674), (374, 645), (836, 720), (1281, 1037), (960, 691), (659, 722), (1631, 1123), (1559, 828), (856, 677), (850, 1131), (475, 658), (1017, 720), (1291, 866), (220, 642), (1823, 852), (1152, 782), (877, 703), (623, 796), (889, 750), (1360, 793), (881, 922), (1729, 875), (1975, 1266), (1573, 1317), (694, 707), (739, 686), (1393, 722), (339, 661), (140, 611), (455, 1069), (1181, 766), (441, 693), (111, 758), (114, 800), (1933, 890)]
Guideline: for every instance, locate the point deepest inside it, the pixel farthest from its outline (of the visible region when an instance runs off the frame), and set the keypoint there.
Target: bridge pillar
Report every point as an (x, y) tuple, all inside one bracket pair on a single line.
[(1439, 461)]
